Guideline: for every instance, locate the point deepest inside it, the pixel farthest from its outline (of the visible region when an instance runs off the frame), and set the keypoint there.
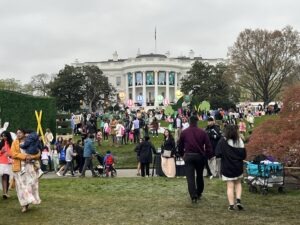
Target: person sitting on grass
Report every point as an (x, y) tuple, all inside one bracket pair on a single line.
[(109, 162), (232, 151)]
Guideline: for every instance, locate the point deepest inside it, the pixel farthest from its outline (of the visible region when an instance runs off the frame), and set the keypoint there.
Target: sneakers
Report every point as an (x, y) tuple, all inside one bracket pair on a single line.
[(231, 208), (40, 173), (58, 174), (194, 200), (5, 196), (239, 206), (211, 177)]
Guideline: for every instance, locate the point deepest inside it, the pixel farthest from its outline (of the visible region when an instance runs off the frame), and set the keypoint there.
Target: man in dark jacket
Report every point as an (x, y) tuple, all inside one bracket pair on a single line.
[(144, 153), (194, 146), (214, 133)]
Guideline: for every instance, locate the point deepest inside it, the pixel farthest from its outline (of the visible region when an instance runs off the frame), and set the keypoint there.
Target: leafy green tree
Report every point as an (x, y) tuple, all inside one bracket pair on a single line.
[(67, 87), (75, 84), (264, 60), (40, 84), (96, 87), (10, 84), (206, 82)]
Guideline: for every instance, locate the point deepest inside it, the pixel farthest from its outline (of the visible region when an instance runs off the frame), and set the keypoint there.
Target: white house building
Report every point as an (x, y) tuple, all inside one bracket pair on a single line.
[(145, 77)]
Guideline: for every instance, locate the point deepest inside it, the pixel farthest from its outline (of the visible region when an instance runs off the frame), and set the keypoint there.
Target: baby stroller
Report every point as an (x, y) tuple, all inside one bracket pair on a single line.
[(101, 170), (265, 175)]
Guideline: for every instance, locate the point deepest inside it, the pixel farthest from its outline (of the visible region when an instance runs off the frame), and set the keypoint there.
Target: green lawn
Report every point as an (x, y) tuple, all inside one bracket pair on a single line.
[(146, 201)]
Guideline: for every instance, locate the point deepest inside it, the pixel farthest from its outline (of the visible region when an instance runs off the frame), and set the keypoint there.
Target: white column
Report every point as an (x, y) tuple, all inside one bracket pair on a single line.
[(167, 87), (175, 84), (144, 89), (133, 88), (126, 88), (155, 88)]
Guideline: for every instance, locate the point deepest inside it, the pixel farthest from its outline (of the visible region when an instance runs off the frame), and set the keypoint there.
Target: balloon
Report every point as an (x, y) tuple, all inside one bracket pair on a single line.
[(178, 94), (166, 101), (129, 103), (160, 99), (186, 98), (122, 96)]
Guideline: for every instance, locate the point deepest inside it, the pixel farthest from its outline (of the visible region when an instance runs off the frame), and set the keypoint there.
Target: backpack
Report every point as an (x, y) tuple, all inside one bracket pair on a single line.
[(122, 130), (107, 130), (62, 155), (109, 160)]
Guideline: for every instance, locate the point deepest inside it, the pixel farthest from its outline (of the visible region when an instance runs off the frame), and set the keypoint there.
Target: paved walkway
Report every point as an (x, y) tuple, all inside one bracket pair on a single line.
[(121, 173)]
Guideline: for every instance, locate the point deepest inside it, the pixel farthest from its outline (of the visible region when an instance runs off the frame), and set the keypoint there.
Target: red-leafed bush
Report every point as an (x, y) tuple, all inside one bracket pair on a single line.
[(280, 137)]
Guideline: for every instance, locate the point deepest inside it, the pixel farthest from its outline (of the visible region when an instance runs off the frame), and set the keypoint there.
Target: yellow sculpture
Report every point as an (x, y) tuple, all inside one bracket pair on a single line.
[(39, 129)]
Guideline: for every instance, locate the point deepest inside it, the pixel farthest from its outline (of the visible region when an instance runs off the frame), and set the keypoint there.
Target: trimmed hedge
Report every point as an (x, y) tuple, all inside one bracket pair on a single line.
[(63, 124), (19, 110), (63, 131), (63, 116)]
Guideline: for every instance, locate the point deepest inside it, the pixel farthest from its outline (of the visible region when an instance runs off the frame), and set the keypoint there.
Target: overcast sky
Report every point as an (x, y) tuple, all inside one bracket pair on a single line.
[(41, 36)]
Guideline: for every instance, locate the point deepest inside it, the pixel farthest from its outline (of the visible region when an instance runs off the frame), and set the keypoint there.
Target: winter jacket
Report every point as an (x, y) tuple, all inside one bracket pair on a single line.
[(145, 151), (169, 144), (18, 156), (194, 140), (32, 144), (214, 134), (89, 148), (70, 154), (232, 156)]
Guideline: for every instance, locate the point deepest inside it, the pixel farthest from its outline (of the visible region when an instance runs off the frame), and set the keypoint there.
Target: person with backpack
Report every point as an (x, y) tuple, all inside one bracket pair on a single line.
[(144, 154), (69, 158), (232, 151), (214, 133), (62, 157), (109, 162)]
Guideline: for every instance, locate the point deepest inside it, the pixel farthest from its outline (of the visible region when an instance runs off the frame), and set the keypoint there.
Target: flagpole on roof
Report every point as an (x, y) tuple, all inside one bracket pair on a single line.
[(155, 40)]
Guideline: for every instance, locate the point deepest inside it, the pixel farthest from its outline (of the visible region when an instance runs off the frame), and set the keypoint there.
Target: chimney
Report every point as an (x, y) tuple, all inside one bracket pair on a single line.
[(115, 56), (191, 54)]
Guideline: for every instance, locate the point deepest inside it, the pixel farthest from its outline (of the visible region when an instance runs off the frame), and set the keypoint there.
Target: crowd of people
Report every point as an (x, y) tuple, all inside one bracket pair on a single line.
[(24, 160)]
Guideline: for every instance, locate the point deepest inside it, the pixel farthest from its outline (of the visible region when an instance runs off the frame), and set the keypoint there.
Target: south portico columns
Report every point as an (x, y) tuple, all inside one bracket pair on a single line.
[(144, 89), (175, 84), (126, 87), (155, 88), (133, 88), (167, 86)]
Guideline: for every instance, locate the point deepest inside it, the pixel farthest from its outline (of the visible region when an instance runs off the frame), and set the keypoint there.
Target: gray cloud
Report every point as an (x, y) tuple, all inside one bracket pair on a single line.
[(41, 36)]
